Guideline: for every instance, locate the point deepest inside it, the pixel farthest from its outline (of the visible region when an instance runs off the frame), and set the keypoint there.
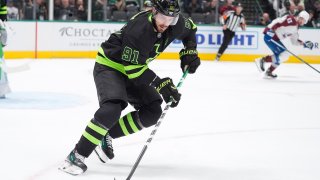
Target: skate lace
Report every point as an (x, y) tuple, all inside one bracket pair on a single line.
[(108, 141)]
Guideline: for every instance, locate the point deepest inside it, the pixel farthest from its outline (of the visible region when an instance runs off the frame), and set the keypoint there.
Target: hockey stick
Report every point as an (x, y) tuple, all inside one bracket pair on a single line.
[(294, 55), (144, 149), (14, 69)]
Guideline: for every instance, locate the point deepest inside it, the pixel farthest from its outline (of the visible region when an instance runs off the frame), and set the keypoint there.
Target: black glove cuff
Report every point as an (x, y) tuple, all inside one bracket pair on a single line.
[(161, 83), (184, 52)]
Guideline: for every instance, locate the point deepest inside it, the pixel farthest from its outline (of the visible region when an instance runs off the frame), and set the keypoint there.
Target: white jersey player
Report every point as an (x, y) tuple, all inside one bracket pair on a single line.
[(4, 86), (281, 28)]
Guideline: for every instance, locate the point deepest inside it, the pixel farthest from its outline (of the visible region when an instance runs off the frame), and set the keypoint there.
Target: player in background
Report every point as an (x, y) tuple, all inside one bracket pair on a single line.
[(122, 76), (4, 85), (280, 28), (233, 20)]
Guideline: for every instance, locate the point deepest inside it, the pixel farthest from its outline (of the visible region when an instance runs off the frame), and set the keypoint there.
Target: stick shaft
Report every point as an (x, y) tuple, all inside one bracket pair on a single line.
[(145, 147), (294, 55)]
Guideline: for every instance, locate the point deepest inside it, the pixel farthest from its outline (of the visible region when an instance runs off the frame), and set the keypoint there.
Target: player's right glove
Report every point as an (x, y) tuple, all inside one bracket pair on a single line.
[(308, 44), (189, 59), (168, 91)]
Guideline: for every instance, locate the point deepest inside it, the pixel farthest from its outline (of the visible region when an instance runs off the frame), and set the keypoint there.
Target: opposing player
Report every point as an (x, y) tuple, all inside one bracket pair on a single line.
[(280, 28), (122, 76), (4, 85)]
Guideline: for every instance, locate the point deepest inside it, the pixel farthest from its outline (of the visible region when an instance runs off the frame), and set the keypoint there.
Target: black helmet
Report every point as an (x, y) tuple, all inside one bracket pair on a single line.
[(237, 4), (167, 7)]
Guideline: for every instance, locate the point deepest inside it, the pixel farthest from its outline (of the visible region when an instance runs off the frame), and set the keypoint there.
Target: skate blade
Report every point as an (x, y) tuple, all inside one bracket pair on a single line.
[(258, 65), (269, 77), (67, 167), (103, 158)]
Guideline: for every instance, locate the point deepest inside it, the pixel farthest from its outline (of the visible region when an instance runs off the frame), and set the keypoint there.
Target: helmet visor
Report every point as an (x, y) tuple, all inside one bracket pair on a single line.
[(165, 20)]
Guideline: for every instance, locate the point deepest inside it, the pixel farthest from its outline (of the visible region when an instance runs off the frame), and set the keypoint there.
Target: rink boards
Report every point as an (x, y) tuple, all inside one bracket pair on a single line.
[(82, 39)]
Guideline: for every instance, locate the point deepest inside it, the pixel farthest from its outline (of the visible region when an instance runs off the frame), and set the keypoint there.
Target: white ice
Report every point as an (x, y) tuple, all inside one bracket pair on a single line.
[(231, 124)]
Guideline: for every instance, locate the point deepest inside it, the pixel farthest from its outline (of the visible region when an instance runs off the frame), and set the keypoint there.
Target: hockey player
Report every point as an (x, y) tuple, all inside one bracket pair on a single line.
[(122, 76), (4, 86), (280, 28)]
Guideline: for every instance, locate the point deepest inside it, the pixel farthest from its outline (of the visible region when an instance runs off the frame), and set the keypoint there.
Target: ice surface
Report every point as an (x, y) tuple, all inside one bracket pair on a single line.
[(231, 124)]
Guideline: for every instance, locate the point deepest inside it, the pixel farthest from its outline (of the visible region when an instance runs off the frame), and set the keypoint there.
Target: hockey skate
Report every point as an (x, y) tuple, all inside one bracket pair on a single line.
[(74, 164), (260, 64), (105, 150), (217, 57), (270, 75)]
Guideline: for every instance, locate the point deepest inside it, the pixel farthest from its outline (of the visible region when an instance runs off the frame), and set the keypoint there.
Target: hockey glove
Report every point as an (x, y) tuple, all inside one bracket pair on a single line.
[(308, 44), (189, 60), (168, 91)]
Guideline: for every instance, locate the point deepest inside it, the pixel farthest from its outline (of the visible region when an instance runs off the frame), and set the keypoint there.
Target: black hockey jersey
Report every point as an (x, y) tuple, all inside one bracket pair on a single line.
[(138, 43), (3, 10)]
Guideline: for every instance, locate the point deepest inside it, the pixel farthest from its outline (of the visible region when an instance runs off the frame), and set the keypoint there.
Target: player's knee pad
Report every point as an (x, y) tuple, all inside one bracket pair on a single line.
[(150, 114), (108, 113)]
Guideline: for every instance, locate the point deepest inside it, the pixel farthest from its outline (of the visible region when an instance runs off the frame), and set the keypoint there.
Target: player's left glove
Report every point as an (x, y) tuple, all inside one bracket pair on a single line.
[(308, 44), (168, 91), (189, 60)]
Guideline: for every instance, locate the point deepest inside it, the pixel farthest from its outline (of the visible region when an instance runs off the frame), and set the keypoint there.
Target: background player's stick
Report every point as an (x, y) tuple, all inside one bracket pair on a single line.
[(14, 69), (155, 129), (294, 55)]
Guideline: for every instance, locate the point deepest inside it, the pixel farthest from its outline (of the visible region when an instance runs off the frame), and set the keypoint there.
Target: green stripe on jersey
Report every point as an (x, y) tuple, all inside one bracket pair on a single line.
[(137, 74)]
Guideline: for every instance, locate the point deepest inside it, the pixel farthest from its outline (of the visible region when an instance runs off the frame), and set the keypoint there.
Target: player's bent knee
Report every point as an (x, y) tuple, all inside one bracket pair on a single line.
[(150, 114), (108, 113)]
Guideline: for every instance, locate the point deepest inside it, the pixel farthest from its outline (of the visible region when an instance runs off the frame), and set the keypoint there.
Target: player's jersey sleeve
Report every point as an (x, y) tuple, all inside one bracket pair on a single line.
[(3, 10), (187, 32), (286, 26), (242, 21), (295, 39)]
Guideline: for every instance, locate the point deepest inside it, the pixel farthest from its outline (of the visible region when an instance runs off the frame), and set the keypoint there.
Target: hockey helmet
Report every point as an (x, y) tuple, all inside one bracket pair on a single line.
[(167, 7), (237, 4), (147, 3), (305, 16)]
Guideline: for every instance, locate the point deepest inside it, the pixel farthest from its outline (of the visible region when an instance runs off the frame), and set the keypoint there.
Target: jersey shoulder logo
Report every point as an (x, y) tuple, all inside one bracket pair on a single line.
[(187, 23)]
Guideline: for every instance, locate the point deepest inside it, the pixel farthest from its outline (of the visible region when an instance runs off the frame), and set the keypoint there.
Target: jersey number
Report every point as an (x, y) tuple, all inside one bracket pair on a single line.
[(130, 55)]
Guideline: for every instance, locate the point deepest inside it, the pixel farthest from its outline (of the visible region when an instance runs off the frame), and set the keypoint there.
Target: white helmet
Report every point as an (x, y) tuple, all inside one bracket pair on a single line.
[(305, 16)]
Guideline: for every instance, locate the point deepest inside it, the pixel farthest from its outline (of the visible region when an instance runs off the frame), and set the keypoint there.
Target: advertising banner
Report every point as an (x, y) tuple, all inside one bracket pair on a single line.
[(82, 39)]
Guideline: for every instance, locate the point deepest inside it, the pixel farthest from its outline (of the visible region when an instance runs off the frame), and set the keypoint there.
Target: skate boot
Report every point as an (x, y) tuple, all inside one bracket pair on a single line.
[(218, 57), (260, 64), (270, 75), (105, 150), (74, 164)]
